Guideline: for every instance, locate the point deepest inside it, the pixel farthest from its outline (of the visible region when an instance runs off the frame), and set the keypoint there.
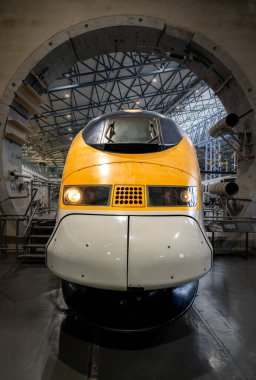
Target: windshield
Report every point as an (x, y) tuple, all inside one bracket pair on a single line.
[(131, 130), (128, 133)]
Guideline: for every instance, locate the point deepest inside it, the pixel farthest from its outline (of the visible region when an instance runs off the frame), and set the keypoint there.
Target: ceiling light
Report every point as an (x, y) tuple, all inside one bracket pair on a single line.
[(154, 80), (71, 138), (69, 129), (67, 75), (197, 91), (68, 116), (67, 95), (138, 102)]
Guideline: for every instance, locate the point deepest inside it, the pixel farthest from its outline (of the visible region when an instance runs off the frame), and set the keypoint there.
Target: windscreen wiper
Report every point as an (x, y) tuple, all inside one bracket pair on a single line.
[(111, 132), (153, 132)]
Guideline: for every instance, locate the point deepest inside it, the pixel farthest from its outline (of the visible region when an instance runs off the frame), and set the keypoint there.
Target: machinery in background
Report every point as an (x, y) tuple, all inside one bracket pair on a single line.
[(219, 197)]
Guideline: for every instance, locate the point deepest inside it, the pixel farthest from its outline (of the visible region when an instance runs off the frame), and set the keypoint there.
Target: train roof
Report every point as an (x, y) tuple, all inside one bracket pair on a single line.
[(134, 112)]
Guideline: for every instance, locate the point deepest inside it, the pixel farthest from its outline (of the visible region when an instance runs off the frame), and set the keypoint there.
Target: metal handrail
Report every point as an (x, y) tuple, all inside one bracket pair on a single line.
[(233, 218), (16, 220), (30, 220), (31, 201)]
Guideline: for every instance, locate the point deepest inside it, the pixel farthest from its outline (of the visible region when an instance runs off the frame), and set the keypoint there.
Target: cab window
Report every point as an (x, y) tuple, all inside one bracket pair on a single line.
[(131, 130)]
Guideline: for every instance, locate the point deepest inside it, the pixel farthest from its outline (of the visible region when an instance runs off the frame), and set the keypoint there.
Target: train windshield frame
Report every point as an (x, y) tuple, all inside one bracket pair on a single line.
[(135, 130), (132, 133)]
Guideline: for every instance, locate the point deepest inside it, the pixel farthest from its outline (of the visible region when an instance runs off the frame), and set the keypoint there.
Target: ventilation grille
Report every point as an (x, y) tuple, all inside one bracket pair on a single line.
[(129, 196)]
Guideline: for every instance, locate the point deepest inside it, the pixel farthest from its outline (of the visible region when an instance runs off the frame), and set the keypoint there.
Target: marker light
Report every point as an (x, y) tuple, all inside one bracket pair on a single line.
[(73, 195)]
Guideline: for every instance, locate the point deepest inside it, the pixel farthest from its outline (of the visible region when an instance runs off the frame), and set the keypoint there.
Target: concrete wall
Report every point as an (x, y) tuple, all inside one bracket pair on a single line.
[(225, 28), (26, 24)]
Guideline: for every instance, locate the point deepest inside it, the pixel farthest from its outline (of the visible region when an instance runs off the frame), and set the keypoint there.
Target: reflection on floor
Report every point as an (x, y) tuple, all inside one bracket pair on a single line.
[(41, 340)]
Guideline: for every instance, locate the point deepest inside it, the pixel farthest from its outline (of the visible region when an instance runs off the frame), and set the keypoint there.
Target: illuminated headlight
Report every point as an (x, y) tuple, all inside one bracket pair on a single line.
[(159, 196), (186, 196), (86, 195), (73, 195)]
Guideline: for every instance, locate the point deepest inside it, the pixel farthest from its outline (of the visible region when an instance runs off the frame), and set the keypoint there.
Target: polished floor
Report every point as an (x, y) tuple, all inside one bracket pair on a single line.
[(40, 340)]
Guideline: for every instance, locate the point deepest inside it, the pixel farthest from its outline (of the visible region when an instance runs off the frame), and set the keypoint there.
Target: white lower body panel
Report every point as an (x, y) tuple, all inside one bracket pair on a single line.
[(166, 251), (116, 252), (90, 250)]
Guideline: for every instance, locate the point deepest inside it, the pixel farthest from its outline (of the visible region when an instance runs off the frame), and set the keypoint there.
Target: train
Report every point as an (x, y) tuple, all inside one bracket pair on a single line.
[(129, 231)]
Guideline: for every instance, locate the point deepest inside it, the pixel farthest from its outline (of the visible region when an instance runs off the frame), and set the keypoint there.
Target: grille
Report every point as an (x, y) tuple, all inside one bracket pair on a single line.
[(129, 196)]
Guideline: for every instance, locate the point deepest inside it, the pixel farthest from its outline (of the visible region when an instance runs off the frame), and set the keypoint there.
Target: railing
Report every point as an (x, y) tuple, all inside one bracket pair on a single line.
[(12, 229), (30, 206), (232, 235), (30, 221)]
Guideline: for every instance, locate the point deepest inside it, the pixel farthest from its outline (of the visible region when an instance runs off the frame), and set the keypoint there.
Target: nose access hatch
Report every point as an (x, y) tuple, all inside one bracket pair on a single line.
[(129, 196)]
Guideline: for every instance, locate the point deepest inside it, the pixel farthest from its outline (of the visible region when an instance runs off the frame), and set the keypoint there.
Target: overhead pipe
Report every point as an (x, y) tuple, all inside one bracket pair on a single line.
[(224, 126), (223, 188)]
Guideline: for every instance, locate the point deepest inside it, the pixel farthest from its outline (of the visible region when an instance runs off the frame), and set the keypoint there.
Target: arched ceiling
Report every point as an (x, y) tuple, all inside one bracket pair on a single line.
[(116, 81), (103, 36)]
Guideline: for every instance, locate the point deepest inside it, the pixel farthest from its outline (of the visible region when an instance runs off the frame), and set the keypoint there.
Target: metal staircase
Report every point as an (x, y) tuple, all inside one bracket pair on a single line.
[(37, 235)]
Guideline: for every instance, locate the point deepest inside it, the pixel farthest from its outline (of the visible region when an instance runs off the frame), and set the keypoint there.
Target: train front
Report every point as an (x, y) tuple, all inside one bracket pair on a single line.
[(129, 228)]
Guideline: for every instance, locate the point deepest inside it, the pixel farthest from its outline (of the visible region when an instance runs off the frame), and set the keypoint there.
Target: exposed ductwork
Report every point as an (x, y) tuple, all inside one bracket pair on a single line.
[(224, 126), (223, 188)]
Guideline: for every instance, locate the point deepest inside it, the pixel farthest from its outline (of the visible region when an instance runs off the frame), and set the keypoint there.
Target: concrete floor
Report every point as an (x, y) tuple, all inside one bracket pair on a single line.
[(216, 339)]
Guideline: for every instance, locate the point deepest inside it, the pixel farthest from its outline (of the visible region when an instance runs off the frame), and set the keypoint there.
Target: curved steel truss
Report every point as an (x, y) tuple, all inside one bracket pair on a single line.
[(118, 81)]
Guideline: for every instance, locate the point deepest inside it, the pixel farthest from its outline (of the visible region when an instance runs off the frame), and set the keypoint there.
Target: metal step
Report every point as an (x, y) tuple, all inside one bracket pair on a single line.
[(34, 245), (43, 220), (32, 256), (39, 236), (36, 223), (42, 227)]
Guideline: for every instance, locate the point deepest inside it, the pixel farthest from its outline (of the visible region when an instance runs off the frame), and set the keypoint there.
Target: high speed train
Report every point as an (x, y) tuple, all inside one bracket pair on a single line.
[(129, 236)]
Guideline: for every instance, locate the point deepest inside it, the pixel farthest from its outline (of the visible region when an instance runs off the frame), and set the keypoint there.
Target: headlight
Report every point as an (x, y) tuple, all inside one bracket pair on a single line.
[(186, 196), (159, 196), (73, 195), (86, 195)]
